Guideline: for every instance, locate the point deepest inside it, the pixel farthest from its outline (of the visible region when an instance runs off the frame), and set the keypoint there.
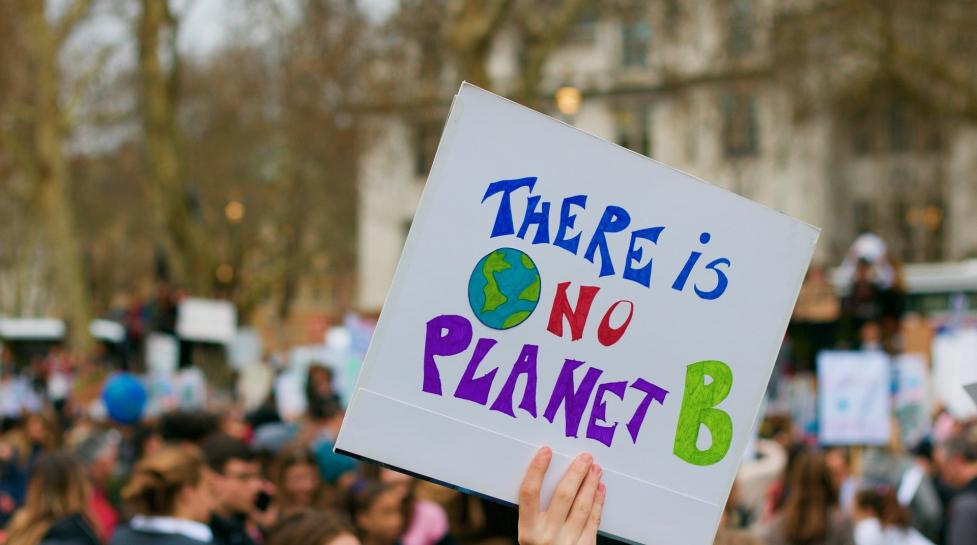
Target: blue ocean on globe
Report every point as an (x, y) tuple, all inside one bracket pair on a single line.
[(503, 290)]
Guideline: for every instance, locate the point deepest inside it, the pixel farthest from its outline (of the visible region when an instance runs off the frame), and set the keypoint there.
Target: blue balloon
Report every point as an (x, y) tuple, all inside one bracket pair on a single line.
[(125, 398)]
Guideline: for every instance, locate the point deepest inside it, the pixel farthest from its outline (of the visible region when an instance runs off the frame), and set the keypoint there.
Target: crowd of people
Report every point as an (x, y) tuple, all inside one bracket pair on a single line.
[(225, 475), (192, 477)]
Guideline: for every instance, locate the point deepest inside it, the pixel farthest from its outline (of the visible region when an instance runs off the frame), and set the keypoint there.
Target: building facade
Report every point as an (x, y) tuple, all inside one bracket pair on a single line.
[(691, 85)]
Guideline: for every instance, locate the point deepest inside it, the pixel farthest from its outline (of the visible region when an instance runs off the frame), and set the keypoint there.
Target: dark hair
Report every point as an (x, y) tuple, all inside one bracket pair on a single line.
[(885, 505), (156, 481), (807, 511), (191, 426), (141, 435), (308, 527), (362, 495), (221, 449), (963, 445)]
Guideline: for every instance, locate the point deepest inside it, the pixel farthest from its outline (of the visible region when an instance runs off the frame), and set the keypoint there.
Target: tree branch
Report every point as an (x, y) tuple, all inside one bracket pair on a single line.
[(76, 12)]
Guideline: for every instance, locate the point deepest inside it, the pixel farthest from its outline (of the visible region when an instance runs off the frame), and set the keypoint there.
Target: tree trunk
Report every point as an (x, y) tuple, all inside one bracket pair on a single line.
[(50, 177), (194, 255)]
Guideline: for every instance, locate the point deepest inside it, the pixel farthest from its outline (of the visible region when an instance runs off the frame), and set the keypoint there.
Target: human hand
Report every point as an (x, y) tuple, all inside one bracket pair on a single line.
[(573, 515)]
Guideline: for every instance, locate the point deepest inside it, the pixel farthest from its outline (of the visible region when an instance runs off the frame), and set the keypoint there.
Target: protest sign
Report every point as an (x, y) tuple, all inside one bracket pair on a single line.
[(162, 354), (853, 398), (206, 320), (557, 289), (955, 364), (911, 398)]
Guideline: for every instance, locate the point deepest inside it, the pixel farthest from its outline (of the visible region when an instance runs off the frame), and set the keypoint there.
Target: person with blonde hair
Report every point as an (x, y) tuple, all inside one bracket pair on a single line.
[(56, 510), (171, 497)]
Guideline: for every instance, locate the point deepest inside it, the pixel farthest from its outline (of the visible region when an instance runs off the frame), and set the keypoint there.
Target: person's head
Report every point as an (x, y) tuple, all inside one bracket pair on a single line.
[(58, 488), (187, 427), (924, 456), (838, 461), (170, 483), (863, 270), (43, 429), (147, 440), (308, 527), (813, 496), (958, 460), (296, 477), (99, 454), (881, 504), (320, 379), (236, 473), (377, 511)]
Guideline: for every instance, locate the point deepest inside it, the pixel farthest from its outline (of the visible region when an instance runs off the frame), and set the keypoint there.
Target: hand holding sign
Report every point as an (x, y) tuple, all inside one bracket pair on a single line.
[(574, 512)]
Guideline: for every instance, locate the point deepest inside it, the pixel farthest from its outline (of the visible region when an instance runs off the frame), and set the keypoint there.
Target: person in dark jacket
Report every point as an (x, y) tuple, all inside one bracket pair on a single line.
[(56, 511), (960, 471), (171, 497), (237, 481)]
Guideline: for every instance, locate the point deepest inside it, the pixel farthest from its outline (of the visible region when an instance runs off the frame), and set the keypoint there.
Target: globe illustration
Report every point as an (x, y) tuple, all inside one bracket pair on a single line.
[(504, 288)]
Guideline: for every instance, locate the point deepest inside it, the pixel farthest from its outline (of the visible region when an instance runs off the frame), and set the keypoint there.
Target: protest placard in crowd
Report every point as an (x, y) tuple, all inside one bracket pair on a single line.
[(557, 289), (853, 398)]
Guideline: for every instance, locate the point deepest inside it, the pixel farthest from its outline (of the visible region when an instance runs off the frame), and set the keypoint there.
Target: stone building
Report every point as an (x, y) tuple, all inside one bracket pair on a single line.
[(692, 84)]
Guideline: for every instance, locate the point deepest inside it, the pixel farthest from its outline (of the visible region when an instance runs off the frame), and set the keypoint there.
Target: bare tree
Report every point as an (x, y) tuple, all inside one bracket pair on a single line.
[(159, 71), (42, 159)]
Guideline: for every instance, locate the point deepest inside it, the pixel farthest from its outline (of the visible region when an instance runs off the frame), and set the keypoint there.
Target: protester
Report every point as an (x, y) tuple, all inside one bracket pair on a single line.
[(172, 500), (296, 479), (427, 522), (959, 469), (57, 510), (99, 453), (376, 509), (236, 482), (881, 520), (308, 527), (811, 514)]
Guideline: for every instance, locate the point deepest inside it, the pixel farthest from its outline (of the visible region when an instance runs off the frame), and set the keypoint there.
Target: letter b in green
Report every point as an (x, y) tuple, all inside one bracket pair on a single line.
[(699, 407)]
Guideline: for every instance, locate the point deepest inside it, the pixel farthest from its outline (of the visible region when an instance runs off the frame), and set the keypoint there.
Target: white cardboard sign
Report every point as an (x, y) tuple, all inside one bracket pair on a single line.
[(557, 289), (853, 398)]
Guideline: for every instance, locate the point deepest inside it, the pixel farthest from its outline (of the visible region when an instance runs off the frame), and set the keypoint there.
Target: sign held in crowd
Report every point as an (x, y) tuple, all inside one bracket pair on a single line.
[(557, 289)]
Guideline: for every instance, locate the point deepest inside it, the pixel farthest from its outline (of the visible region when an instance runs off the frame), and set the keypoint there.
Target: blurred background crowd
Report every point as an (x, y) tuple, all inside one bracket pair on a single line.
[(202, 204)]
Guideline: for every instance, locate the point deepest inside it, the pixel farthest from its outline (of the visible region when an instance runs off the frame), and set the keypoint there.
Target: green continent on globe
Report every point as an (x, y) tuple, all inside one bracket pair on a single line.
[(494, 298), (504, 288)]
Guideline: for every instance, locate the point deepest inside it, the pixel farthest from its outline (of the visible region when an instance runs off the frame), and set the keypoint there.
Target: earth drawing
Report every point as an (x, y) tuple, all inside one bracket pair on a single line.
[(503, 290)]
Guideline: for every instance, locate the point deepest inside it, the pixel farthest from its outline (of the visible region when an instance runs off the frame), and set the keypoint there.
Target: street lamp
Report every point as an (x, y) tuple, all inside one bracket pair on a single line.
[(234, 211), (568, 100)]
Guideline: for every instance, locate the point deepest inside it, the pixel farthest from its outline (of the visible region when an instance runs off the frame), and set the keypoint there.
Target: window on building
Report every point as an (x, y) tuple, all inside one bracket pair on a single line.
[(892, 127), (426, 137), (633, 128), (740, 126), (673, 10), (635, 42), (741, 26), (584, 30), (900, 129)]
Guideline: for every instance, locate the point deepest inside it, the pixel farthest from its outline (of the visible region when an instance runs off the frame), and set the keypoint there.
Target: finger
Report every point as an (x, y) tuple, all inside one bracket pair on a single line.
[(532, 482), (583, 504), (589, 535), (567, 490)]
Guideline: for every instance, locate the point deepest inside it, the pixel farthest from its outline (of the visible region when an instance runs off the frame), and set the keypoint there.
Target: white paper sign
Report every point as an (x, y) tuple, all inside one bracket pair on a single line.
[(911, 401), (162, 354), (557, 289), (206, 320), (853, 398), (955, 364)]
